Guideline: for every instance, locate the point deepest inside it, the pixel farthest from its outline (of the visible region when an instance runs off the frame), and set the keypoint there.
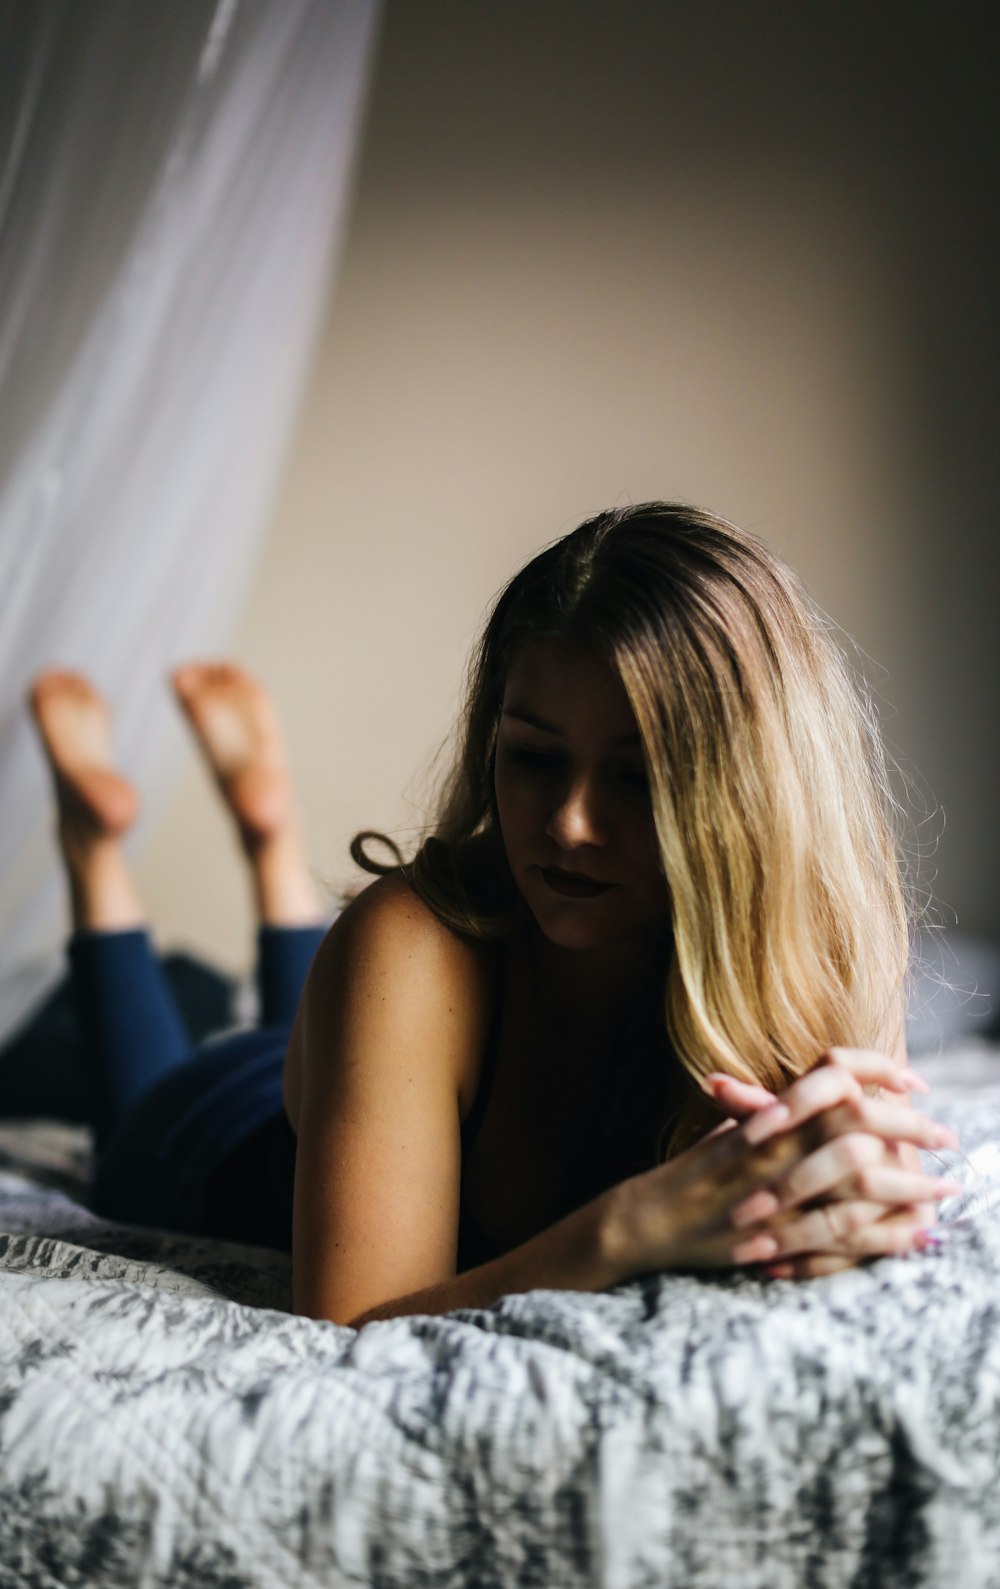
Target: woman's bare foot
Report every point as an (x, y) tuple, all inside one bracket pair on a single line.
[(96, 804), (235, 724)]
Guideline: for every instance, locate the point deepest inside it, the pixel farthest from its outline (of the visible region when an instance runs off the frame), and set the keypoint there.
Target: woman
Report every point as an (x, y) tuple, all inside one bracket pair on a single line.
[(662, 896)]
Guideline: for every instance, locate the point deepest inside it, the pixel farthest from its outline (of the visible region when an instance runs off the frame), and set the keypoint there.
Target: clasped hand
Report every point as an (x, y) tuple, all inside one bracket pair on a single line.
[(815, 1180)]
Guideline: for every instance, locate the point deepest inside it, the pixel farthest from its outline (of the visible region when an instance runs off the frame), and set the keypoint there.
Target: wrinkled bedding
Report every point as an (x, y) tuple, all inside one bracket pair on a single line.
[(165, 1421)]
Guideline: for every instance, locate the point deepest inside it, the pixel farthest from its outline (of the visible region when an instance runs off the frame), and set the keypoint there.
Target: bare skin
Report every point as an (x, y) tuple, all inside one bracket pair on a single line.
[(96, 805), (234, 723)]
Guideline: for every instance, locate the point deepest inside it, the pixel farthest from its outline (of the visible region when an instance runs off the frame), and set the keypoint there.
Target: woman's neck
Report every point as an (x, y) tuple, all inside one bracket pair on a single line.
[(595, 983)]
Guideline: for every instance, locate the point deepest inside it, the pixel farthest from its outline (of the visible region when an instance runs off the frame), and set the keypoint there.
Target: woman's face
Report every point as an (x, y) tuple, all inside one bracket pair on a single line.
[(573, 799)]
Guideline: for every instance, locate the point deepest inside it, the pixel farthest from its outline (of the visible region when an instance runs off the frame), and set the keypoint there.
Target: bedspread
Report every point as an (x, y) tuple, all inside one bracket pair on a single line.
[(165, 1421)]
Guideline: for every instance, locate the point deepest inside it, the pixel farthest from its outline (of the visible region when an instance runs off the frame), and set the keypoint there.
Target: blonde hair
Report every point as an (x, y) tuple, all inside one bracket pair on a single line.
[(777, 828)]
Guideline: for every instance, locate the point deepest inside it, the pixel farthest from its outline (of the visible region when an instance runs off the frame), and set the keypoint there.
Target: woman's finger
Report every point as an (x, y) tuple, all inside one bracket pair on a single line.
[(721, 1129), (832, 1088), (893, 1122), (874, 1069), (743, 1098), (834, 1228), (809, 1267), (852, 1230), (812, 1094), (739, 1099), (857, 1166)]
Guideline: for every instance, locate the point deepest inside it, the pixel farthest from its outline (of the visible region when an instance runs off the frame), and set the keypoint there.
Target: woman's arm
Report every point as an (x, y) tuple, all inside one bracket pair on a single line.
[(576, 1254), (682, 1215), (395, 1010), (393, 1007)]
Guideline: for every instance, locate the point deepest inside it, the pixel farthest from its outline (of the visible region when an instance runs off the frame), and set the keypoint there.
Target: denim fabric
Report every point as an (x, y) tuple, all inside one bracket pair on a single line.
[(169, 1122)]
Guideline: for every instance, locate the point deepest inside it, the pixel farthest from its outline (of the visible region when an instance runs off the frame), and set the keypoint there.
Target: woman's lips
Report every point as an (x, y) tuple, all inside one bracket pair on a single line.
[(574, 885)]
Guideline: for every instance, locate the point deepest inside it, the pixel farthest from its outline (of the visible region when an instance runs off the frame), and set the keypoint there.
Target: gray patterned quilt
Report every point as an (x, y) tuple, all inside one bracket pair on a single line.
[(164, 1420)]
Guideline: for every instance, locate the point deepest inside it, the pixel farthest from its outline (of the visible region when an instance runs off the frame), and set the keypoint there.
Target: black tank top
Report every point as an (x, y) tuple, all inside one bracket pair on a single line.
[(474, 1246)]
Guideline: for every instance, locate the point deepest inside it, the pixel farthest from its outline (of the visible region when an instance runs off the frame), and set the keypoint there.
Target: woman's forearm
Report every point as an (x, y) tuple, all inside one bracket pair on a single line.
[(581, 1252)]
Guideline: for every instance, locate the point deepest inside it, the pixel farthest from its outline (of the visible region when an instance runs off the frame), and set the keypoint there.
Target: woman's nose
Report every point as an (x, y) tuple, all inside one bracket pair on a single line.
[(576, 819)]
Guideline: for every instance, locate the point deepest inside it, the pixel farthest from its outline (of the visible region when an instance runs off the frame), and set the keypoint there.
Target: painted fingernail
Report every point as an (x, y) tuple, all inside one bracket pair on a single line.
[(928, 1239), (766, 1123), (779, 1271)]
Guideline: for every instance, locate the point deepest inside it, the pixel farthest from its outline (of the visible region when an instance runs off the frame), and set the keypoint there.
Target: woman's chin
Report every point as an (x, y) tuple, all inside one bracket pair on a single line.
[(575, 926), (571, 936)]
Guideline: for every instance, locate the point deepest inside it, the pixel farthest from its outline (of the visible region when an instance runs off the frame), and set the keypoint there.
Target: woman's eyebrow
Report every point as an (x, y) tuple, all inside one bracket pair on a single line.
[(534, 721), (531, 718)]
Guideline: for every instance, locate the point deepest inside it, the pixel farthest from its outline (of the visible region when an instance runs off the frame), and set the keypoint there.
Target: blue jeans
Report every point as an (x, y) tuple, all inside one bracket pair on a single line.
[(190, 1141)]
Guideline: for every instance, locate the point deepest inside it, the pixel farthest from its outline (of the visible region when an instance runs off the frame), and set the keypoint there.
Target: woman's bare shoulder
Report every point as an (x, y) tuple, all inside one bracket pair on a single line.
[(388, 961), (389, 919)]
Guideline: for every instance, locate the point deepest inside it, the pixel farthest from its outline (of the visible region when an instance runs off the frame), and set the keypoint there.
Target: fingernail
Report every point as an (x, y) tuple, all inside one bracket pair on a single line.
[(779, 1271), (949, 1189), (943, 1138), (913, 1080), (766, 1123), (928, 1238)]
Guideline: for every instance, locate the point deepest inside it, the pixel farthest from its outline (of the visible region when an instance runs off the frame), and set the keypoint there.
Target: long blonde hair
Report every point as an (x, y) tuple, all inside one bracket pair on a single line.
[(777, 828)]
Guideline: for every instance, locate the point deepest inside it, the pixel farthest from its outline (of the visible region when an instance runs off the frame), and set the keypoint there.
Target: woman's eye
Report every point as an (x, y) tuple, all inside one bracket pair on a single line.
[(634, 778), (528, 759)]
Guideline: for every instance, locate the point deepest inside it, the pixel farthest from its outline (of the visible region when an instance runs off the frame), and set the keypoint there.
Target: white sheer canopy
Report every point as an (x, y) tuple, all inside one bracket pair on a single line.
[(171, 184)]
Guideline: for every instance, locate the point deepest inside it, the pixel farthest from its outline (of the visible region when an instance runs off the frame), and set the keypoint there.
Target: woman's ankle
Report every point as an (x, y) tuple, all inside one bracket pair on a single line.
[(284, 891), (103, 894)]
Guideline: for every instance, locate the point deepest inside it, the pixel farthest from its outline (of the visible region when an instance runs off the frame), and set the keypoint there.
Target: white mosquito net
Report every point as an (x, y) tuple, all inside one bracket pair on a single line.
[(171, 182)]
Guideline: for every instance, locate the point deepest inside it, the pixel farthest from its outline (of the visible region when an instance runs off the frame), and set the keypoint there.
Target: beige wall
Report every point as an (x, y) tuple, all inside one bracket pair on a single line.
[(596, 257)]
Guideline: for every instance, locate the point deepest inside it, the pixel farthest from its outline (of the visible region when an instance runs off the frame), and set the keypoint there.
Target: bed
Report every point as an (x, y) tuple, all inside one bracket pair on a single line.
[(165, 1421)]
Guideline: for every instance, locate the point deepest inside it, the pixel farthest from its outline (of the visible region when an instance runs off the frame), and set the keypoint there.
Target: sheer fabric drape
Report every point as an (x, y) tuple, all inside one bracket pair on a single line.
[(171, 184)]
